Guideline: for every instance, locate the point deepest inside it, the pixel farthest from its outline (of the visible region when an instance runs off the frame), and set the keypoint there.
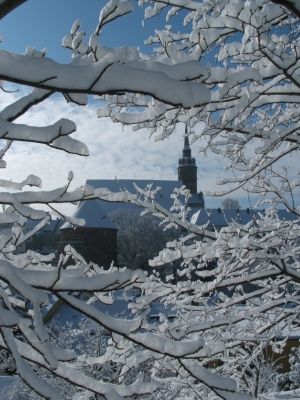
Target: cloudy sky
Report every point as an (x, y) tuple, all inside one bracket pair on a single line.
[(114, 151)]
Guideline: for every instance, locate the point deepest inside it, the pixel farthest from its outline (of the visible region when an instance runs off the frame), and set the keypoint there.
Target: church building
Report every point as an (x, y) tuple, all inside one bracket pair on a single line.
[(97, 240)]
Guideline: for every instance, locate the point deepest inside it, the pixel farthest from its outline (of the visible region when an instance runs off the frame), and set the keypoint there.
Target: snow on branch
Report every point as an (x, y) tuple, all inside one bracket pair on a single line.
[(101, 77), (55, 135), (228, 292), (113, 10)]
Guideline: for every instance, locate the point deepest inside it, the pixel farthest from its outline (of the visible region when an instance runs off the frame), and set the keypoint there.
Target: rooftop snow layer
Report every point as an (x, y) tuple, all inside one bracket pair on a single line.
[(163, 196), (91, 211), (221, 218)]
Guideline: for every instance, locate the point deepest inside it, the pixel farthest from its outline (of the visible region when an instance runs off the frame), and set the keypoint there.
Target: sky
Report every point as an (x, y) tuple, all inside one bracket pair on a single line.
[(114, 151)]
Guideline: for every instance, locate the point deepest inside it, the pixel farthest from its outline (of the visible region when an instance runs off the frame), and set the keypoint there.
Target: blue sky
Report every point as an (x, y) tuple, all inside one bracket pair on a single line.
[(43, 23), (114, 152)]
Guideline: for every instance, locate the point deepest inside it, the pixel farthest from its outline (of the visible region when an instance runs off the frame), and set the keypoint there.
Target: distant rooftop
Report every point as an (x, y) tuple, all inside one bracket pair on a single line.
[(222, 217)]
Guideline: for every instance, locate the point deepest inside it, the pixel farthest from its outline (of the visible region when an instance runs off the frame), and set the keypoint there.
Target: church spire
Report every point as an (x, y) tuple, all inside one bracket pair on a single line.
[(186, 152), (187, 169)]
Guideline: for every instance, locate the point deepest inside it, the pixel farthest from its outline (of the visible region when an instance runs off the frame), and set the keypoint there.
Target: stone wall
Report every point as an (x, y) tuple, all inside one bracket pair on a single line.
[(98, 245)]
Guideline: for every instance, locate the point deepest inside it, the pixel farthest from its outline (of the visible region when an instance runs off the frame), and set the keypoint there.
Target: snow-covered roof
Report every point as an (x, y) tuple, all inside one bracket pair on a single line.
[(220, 218), (58, 226), (217, 217), (163, 197), (65, 313), (53, 227), (119, 308), (30, 223), (91, 211)]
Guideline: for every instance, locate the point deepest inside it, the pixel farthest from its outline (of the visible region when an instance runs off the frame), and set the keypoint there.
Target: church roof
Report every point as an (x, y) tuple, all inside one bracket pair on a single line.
[(93, 214), (163, 196), (96, 212)]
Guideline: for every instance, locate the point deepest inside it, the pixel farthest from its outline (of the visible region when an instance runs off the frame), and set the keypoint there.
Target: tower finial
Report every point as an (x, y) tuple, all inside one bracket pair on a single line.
[(186, 148)]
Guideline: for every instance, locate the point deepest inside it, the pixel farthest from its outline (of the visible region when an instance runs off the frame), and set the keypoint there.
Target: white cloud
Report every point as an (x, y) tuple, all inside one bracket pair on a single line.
[(114, 151)]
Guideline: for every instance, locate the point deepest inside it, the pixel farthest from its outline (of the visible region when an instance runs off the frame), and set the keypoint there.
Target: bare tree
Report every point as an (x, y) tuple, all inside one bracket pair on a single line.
[(140, 238), (231, 204)]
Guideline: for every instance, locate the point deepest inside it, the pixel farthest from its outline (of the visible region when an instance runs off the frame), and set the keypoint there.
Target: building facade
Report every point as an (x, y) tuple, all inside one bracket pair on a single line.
[(97, 240)]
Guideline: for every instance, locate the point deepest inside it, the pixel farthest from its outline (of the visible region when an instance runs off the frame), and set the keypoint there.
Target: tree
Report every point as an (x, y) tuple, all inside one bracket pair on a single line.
[(250, 105), (290, 380), (230, 203), (88, 340), (140, 238), (261, 376)]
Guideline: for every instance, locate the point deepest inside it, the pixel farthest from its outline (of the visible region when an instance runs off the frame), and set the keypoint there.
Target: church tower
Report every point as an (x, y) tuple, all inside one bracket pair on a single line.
[(187, 169)]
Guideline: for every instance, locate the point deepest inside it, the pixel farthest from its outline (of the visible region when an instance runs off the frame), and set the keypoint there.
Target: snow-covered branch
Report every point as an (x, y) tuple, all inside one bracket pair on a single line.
[(233, 291)]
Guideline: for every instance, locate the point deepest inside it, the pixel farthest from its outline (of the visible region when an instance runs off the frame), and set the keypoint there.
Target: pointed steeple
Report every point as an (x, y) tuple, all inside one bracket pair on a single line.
[(187, 169), (186, 152)]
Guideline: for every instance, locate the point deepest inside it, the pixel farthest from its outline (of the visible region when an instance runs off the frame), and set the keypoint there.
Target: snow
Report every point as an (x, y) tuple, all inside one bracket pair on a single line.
[(67, 314), (49, 135), (118, 77), (250, 110), (114, 9), (211, 379), (93, 215), (290, 395), (6, 382)]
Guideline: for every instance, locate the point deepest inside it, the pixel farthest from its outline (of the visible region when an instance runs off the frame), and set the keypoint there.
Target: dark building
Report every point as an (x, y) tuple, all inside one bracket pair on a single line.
[(46, 240), (96, 241), (187, 169)]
